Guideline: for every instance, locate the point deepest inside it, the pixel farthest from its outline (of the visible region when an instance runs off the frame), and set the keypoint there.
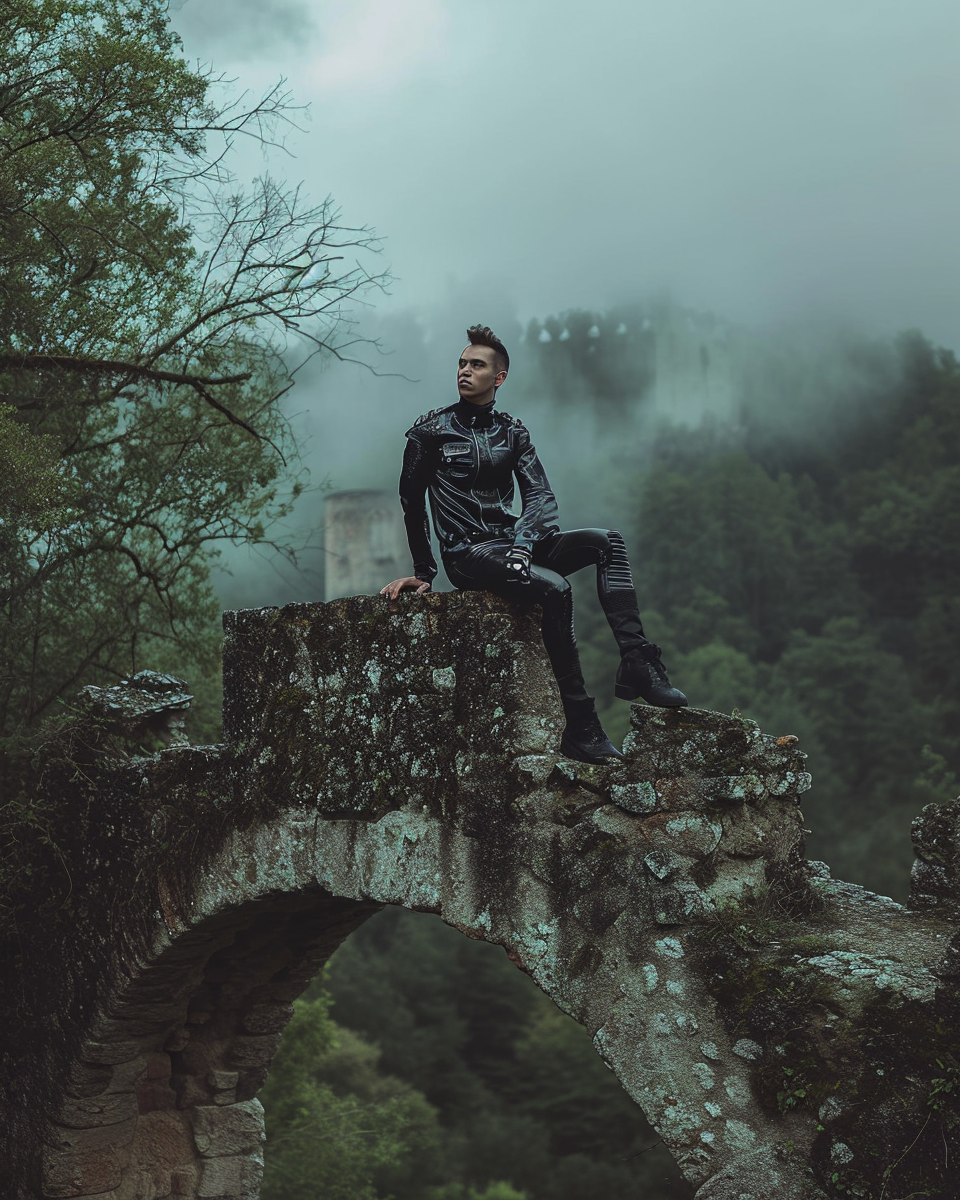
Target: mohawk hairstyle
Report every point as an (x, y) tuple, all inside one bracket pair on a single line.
[(483, 335)]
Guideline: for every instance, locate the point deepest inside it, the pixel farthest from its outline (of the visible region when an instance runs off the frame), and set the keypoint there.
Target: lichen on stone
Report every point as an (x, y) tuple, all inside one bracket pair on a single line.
[(787, 1034)]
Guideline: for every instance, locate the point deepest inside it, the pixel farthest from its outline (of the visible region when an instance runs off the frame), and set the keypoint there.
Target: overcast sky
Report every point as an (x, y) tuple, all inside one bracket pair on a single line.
[(769, 160), (760, 158)]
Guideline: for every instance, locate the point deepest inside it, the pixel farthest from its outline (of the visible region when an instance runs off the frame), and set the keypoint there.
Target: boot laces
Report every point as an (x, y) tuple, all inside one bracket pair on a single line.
[(595, 735), (652, 656), (587, 729)]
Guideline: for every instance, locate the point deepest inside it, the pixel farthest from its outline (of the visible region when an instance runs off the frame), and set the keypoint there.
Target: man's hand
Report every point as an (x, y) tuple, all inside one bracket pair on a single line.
[(410, 583), (518, 565)]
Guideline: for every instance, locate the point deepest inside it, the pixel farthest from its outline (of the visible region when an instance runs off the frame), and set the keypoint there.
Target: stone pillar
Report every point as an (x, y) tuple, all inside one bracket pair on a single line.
[(364, 543)]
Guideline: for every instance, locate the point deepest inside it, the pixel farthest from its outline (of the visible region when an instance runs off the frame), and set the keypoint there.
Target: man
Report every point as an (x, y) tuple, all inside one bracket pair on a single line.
[(466, 456)]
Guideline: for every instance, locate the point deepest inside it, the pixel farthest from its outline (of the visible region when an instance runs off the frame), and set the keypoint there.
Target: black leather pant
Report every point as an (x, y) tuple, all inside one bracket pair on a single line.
[(555, 557)]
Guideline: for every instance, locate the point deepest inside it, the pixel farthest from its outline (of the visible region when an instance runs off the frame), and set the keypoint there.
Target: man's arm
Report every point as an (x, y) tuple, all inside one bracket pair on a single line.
[(414, 480), (540, 515)]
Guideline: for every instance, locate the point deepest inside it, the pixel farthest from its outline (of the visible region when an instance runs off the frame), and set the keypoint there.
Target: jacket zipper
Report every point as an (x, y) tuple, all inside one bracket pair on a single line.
[(479, 502)]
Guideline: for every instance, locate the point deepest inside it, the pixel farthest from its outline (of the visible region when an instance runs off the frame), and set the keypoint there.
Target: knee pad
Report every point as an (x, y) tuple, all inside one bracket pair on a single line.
[(617, 566)]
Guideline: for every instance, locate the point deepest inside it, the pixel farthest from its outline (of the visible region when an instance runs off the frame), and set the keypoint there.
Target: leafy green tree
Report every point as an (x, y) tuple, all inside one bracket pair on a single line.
[(722, 527), (442, 1008), (720, 676), (31, 484), (498, 1190), (336, 1127), (523, 1099), (151, 312)]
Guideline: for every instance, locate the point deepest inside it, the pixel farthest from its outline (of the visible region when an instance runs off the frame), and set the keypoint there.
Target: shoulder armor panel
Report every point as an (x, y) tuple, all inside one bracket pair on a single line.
[(508, 420), (431, 421)]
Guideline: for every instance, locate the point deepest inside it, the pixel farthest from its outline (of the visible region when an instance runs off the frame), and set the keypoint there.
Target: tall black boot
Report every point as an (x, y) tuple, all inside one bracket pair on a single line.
[(641, 672), (584, 739)]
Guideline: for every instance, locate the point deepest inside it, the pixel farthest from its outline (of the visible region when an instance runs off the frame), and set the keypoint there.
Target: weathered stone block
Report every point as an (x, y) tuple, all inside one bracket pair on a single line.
[(87, 1080), (935, 879), (80, 1172), (109, 1109), (230, 1130), (110, 1052), (267, 1018), (223, 1081), (164, 1144), (183, 1181), (678, 903), (96, 1136), (155, 1096), (253, 1051), (237, 1178), (639, 797), (129, 1076), (683, 832)]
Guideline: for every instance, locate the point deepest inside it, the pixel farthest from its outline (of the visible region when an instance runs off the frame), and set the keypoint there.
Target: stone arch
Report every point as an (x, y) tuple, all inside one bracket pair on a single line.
[(407, 755), (162, 1100)]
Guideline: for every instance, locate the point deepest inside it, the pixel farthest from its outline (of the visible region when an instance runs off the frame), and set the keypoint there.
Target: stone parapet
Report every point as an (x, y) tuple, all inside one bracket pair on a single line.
[(406, 754)]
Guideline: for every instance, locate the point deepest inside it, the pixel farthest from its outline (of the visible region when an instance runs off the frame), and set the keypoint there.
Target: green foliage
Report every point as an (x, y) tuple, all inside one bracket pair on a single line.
[(497, 1190), (724, 673), (524, 1104), (803, 568), (151, 313), (731, 541), (335, 1124), (30, 484), (942, 1088), (96, 101), (790, 1095)]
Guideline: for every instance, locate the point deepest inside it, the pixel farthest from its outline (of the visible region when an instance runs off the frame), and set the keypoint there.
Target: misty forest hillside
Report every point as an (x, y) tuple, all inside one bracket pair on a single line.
[(799, 560), (796, 551)]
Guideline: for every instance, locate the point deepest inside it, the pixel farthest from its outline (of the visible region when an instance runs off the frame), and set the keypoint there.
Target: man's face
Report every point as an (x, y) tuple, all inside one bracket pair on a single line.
[(477, 374)]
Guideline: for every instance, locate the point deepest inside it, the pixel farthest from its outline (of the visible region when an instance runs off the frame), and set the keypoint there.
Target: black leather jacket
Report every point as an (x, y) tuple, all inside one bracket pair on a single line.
[(466, 458)]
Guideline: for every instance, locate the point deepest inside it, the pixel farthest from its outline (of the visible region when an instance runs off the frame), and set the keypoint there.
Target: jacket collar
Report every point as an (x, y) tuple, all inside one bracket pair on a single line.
[(474, 416)]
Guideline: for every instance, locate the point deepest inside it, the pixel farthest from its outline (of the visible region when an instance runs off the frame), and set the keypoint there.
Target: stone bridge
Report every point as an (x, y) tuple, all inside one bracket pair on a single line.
[(787, 1035)]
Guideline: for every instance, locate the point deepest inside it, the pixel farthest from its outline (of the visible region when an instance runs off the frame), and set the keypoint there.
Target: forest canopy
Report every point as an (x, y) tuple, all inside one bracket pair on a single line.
[(797, 557), (152, 313)]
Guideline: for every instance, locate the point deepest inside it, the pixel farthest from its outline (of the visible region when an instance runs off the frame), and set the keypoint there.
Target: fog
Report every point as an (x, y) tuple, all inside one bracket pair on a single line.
[(780, 165), (756, 159)]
